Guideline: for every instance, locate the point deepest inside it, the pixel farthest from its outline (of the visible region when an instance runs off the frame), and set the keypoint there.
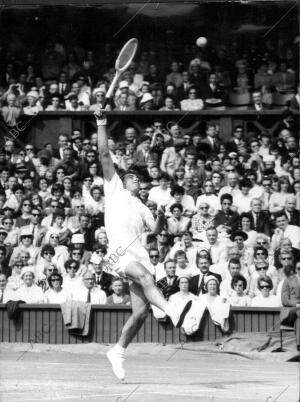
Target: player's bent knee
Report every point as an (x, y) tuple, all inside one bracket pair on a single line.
[(139, 273)]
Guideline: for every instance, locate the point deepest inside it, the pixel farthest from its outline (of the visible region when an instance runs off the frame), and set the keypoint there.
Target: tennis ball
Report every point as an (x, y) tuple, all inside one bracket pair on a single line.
[(201, 41)]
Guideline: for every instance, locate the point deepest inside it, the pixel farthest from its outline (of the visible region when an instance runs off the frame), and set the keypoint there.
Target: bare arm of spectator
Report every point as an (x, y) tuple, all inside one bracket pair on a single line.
[(286, 299), (104, 154)]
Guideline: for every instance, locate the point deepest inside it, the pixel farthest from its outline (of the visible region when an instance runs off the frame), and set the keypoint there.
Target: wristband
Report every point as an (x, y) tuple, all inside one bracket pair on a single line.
[(101, 122)]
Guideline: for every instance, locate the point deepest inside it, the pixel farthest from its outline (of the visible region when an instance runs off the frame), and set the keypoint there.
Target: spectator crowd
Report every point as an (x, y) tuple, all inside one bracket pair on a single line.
[(77, 79), (231, 215)]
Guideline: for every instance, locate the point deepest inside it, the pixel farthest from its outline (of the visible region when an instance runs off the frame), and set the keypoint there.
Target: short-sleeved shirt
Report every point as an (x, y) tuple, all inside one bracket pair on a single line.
[(126, 219)]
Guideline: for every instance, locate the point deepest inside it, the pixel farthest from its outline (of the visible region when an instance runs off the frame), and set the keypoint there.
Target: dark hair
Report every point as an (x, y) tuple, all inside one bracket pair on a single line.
[(180, 253), (267, 279), (226, 197), (49, 248), (57, 187), (236, 279), (176, 189), (176, 205), (71, 261), (248, 216), (245, 183), (3, 248), (261, 248), (234, 261), (55, 274), (17, 187), (167, 261), (59, 213)]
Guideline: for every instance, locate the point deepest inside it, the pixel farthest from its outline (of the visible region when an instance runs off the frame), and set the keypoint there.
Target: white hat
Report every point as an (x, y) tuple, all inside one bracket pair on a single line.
[(210, 278), (98, 90), (27, 269), (123, 84), (146, 98), (25, 232), (33, 94), (96, 259), (269, 158), (77, 238)]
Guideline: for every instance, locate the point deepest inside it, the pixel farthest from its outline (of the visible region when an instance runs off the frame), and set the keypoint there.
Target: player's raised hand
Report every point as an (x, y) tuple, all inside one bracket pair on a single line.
[(100, 113)]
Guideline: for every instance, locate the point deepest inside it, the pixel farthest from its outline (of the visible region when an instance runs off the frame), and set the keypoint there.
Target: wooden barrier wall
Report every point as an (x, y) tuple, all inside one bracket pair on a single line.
[(44, 324), (46, 126)]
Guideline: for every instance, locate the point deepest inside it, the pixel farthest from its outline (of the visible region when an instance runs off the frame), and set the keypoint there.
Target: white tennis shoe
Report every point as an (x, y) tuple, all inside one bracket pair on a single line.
[(117, 359)]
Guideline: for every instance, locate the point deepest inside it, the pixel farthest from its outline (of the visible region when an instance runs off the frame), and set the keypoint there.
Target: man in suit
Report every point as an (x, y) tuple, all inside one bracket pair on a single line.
[(237, 137), (38, 231), (64, 87), (197, 282), (290, 298), (260, 219), (182, 90), (168, 284), (143, 153), (211, 138), (291, 212), (212, 94), (102, 279)]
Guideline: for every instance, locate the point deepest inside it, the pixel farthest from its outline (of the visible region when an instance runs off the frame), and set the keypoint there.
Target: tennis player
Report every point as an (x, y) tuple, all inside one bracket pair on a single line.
[(126, 219)]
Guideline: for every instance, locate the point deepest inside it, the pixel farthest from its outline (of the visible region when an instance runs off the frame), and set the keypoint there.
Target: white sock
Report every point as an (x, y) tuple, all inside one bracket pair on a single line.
[(119, 349)]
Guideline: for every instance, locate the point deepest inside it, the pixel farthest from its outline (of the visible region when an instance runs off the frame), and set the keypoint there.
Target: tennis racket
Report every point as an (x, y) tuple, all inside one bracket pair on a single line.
[(123, 61)]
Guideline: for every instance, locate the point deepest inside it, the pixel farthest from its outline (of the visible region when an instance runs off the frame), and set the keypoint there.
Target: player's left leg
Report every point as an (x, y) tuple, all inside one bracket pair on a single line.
[(140, 308)]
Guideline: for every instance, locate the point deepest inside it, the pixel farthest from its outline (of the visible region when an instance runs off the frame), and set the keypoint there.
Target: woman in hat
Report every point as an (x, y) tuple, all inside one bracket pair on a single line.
[(55, 294), (29, 292), (33, 106), (239, 237), (180, 298), (146, 102), (217, 307)]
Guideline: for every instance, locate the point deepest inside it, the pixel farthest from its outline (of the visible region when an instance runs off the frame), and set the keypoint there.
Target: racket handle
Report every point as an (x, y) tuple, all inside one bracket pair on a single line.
[(111, 88)]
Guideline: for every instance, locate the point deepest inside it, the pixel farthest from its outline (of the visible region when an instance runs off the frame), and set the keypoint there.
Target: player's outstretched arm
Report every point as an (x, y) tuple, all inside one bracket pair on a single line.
[(103, 150)]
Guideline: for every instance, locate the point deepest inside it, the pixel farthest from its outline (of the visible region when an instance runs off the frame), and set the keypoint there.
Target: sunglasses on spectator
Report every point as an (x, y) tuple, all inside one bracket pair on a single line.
[(55, 280), (229, 170), (265, 287), (76, 253), (86, 143), (154, 256), (262, 269), (28, 149), (26, 205), (286, 258), (48, 253), (54, 237), (80, 206), (27, 237), (19, 265), (73, 267), (260, 253), (164, 234), (36, 214), (262, 242)]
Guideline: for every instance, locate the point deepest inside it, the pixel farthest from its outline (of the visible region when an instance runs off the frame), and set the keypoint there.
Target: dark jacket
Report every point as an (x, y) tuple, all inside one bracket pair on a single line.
[(194, 283), (166, 289)]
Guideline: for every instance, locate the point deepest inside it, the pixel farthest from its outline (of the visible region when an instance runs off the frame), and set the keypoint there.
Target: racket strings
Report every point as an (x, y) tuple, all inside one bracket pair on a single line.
[(126, 55)]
